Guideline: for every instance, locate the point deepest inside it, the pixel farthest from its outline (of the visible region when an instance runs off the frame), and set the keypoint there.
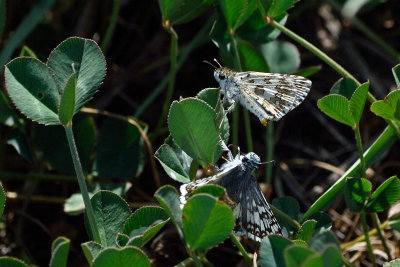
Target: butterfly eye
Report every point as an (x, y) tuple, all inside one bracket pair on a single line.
[(221, 76)]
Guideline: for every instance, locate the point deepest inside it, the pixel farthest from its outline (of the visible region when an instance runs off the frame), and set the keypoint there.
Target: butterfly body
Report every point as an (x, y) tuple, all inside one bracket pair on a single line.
[(269, 96), (253, 216)]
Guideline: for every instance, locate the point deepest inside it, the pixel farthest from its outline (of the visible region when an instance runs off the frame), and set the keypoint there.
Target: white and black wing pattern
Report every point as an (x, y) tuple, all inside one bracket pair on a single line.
[(253, 215), (275, 93)]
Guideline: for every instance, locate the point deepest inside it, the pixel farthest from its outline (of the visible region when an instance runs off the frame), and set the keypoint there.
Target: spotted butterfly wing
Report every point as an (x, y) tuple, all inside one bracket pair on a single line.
[(253, 216)]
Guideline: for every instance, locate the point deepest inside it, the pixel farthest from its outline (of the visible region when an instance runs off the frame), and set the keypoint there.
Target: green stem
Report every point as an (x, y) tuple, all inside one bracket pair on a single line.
[(248, 130), (366, 234), (360, 150), (372, 154), (185, 262), (111, 26), (285, 217), (199, 39), (269, 168), (172, 74), (238, 66), (375, 221), (313, 49), (241, 249), (82, 183), (325, 58), (368, 32)]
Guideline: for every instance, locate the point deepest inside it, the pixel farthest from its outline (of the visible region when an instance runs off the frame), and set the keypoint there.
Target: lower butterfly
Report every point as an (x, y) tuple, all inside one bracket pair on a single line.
[(253, 216), (269, 96)]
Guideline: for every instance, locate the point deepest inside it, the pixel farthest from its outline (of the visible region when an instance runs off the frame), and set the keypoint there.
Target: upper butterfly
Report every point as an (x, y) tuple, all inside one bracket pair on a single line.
[(268, 95)]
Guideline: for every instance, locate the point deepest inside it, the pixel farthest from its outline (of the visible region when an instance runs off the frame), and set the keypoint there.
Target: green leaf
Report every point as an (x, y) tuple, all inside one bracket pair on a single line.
[(237, 12), (277, 8), (256, 31), (38, 11), (120, 152), (220, 36), (191, 123), (12, 262), (271, 251), (251, 59), (212, 97), (59, 252), (175, 161), (344, 87), (395, 224), (375, 152), (356, 192), (27, 52), (384, 196), (182, 11), (146, 221), (296, 255), (124, 257), (307, 72), (332, 257), (288, 205), (74, 204), (393, 263), (324, 222), (212, 189), (91, 249), (67, 101), (2, 200), (33, 90), (20, 141), (357, 101), (389, 108), (322, 240), (51, 144), (84, 57), (396, 75), (7, 114), (168, 198), (307, 230), (111, 212), (336, 107), (206, 223), (282, 57), (312, 261)]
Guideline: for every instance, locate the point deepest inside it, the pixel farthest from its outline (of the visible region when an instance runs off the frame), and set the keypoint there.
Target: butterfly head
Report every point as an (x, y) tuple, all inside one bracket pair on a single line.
[(251, 159), (222, 75)]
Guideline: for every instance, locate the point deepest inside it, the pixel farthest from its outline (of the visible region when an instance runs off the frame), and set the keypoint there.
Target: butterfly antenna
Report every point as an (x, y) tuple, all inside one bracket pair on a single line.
[(217, 62), (266, 162), (209, 63)]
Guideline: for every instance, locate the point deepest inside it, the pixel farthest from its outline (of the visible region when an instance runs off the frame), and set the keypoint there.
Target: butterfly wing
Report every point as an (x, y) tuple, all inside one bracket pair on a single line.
[(253, 215), (276, 94)]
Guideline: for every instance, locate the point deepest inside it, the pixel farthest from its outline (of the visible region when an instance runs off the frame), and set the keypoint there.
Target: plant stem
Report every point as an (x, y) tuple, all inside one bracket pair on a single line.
[(238, 66), (172, 74), (365, 229), (360, 150), (111, 26), (285, 217), (325, 58), (375, 221), (185, 262), (270, 152), (313, 49), (198, 40), (368, 32), (241, 249), (82, 183)]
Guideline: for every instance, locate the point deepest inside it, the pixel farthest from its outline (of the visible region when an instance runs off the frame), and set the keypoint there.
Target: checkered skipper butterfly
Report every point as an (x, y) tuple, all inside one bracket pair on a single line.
[(253, 216), (269, 96)]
